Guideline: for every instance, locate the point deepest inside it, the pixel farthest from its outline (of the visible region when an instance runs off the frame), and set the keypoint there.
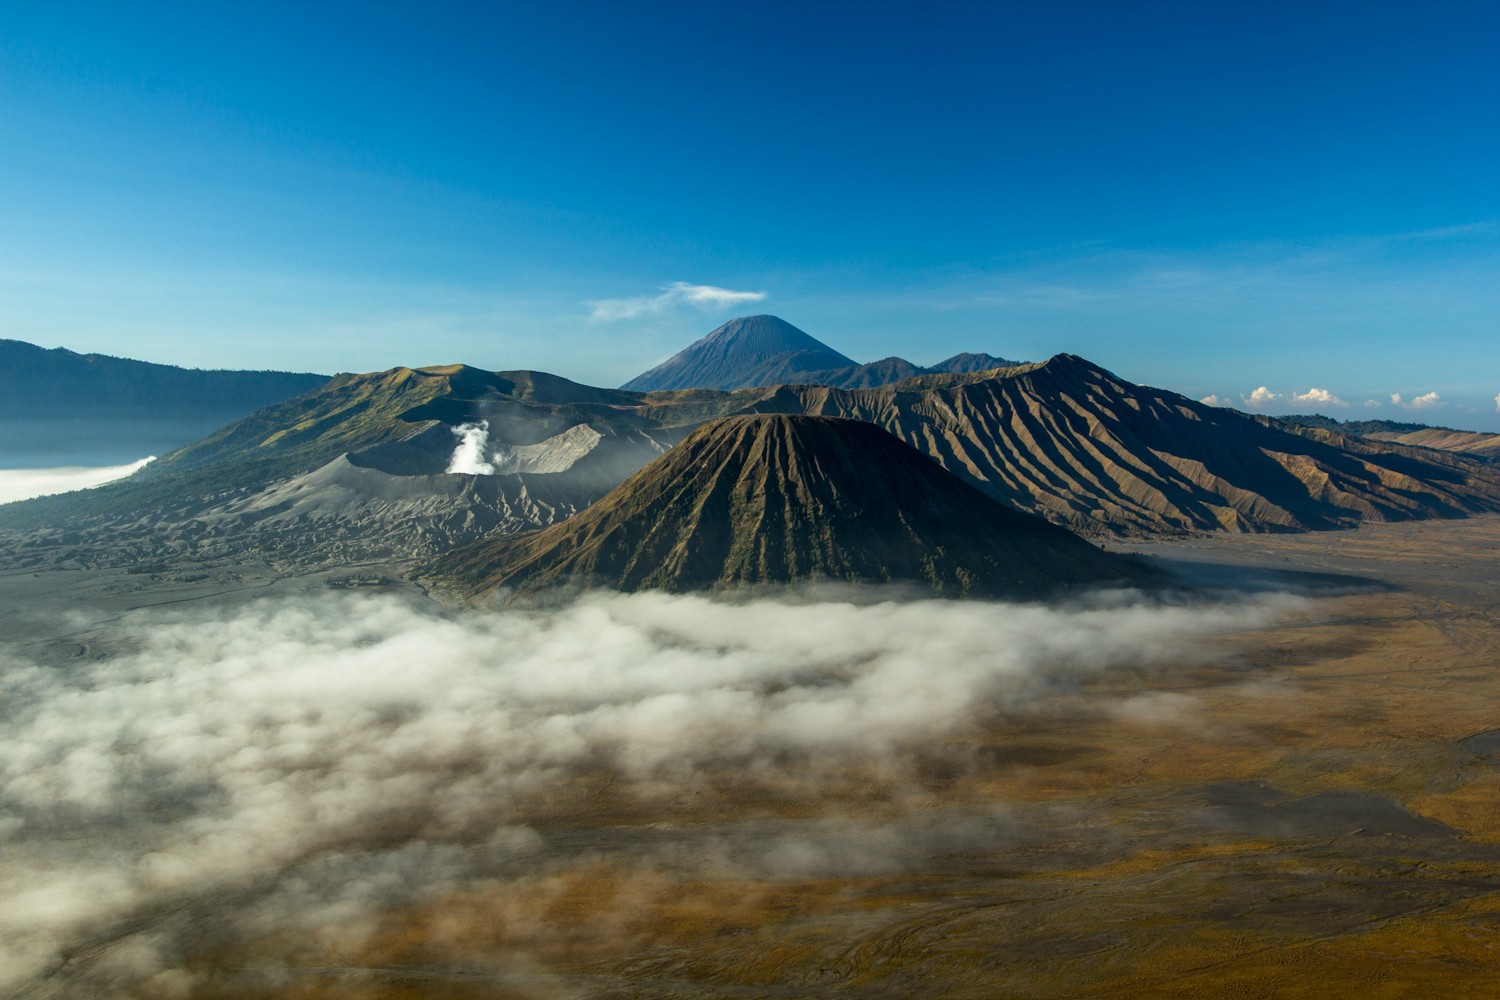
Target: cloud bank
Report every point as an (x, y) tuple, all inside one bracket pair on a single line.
[(670, 296), (329, 757), (24, 484)]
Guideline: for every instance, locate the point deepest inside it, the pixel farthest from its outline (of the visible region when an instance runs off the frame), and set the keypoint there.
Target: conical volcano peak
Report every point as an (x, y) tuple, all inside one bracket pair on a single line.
[(741, 353), (767, 335), (781, 498)]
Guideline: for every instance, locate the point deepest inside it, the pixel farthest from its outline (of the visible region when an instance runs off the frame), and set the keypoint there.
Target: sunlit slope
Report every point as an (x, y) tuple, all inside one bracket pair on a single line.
[(784, 498), (1399, 432), (1467, 442)]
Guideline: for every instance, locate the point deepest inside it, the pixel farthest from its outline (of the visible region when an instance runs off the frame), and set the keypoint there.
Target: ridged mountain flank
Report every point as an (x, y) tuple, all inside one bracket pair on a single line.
[(1080, 446), (748, 350), (781, 498)]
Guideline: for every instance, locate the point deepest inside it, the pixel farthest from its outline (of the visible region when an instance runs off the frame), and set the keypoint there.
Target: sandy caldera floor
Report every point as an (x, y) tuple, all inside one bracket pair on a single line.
[(1309, 809)]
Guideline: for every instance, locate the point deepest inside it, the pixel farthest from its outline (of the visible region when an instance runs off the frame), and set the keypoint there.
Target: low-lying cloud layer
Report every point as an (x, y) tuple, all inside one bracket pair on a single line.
[(24, 484), (329, 757)]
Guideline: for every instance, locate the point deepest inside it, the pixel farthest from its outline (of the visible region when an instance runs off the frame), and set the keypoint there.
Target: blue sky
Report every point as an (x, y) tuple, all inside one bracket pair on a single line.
[(1209, 197)]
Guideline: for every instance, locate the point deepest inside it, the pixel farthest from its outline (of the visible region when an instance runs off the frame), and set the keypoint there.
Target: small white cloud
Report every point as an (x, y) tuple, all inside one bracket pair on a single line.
[(1497, 402), (1318, 396), (1213, 400), (1426, 401), (678, 292), (1396, 398), (1260, 397), (1371, 404)]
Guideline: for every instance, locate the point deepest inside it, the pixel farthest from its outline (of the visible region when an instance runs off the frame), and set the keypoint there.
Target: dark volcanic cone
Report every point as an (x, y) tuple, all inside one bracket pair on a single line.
[(779, 498)]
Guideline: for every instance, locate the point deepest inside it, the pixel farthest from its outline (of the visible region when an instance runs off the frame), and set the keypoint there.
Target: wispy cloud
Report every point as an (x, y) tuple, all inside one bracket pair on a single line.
[(677, 293)]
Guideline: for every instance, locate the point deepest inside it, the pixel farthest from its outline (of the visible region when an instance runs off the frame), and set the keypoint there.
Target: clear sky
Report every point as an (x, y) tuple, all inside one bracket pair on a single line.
[(1212, 197)]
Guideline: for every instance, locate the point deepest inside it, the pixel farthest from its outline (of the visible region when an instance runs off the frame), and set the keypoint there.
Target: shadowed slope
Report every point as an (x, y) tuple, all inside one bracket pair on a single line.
[(58, 384), (777, 499), (63, 408)]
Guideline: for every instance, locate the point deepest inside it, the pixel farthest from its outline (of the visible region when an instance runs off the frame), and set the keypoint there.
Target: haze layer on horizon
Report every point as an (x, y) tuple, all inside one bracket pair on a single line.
[(1218, 199)]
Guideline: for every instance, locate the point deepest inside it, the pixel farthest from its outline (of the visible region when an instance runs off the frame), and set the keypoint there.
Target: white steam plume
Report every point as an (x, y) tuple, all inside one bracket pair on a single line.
[(469, 458), (366, 740)]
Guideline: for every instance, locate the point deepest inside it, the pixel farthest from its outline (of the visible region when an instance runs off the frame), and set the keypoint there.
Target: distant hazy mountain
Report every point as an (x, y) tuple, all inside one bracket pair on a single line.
[(774, 499), (747, 348), (961, 364), (1421, 435), (57, 402), (763, 350)]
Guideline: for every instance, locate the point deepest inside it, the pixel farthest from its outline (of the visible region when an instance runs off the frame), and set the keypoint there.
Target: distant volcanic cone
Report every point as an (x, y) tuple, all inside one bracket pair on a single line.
[(748, 350), (778, 498)]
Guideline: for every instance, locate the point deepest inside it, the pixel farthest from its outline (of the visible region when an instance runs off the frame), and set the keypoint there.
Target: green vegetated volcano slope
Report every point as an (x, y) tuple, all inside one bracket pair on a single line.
[(784, 498), (352, 413)]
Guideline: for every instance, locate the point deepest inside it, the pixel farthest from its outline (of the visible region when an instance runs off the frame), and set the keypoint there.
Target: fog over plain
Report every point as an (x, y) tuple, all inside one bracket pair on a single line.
[(23, 484), (323, 758)]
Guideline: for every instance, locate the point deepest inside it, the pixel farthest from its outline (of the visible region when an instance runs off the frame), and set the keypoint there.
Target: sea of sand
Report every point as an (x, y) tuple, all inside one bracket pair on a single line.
[(1311, 808)]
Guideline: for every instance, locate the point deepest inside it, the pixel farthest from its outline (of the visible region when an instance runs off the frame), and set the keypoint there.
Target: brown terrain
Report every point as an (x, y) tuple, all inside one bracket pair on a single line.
[(1305, 807)]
